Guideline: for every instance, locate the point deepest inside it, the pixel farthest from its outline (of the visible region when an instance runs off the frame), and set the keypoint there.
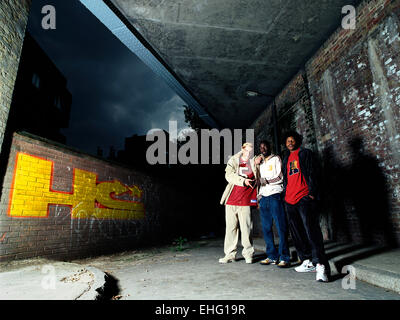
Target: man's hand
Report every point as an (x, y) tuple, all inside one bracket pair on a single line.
[(312, 198), (247, 182), (258, 160)]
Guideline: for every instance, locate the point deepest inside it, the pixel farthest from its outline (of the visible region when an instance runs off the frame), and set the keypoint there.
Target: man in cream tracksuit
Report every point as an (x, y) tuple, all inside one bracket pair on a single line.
[(239, 195), (271, 206)]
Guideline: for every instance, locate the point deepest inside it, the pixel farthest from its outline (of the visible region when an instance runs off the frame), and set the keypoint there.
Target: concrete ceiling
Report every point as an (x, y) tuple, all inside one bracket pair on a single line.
[(221, 48)]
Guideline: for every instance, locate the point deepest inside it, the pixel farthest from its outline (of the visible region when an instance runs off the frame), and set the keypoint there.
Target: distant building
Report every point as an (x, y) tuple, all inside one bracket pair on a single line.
[(41, 102), (134, 153), (111, 155)]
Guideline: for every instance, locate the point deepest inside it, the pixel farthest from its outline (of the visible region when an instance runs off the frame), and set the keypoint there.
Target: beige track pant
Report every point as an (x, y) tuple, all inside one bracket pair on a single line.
[(236, 216)]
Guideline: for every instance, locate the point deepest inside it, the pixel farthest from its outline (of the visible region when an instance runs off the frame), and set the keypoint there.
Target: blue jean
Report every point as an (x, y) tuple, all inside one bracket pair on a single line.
[(271, 208)]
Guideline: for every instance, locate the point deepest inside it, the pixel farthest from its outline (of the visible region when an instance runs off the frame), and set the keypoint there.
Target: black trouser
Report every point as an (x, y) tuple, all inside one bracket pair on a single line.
[(306, 232)]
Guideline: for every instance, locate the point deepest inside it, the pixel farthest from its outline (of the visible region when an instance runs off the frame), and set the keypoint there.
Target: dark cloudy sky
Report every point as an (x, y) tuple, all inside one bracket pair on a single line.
[(114, 95)]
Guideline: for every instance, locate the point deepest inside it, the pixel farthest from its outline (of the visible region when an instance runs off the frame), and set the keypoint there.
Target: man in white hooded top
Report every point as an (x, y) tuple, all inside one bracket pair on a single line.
[(271, 206)]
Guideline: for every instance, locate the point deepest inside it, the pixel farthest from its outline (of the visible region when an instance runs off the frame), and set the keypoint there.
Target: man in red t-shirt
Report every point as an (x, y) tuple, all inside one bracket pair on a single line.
[(239, 195), (301, 194)]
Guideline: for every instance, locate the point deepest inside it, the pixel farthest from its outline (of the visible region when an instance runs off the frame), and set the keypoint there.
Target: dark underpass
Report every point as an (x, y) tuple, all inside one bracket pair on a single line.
[(266, 67)]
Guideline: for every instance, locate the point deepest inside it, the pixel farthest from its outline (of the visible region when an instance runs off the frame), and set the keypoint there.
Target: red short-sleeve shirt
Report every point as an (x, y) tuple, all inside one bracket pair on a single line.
[(297, 186), (243, 196)]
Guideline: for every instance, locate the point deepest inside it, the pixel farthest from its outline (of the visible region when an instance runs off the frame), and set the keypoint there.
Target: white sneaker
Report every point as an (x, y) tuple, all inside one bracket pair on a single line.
[(249, 260), (321, 274), (306, 266), (226, 259)]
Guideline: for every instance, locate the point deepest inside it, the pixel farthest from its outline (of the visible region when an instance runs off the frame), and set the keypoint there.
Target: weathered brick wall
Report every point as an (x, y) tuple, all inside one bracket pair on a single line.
[(355, 86), (13, 20), (346, 105), (293, 108), (60, 203), (263, 127)]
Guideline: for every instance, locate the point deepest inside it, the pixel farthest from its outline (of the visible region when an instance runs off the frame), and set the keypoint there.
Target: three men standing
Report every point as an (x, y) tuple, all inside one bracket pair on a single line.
[(296, 181)]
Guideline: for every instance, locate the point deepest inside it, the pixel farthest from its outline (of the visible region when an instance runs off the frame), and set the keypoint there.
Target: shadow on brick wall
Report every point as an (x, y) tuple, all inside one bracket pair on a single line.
[(357, 197)]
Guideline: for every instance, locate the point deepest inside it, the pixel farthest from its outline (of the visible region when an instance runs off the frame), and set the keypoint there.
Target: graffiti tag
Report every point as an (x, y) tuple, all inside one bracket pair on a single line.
[(32, 194)]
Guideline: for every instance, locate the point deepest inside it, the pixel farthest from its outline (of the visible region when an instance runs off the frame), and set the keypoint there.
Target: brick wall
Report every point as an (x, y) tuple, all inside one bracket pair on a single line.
[(13, 20), (346, 105), (60, 203), (355, 86), (293, 108)]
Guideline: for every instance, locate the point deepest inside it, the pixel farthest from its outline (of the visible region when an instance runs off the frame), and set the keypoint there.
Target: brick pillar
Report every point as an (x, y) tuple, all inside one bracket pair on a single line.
[(13, 21)]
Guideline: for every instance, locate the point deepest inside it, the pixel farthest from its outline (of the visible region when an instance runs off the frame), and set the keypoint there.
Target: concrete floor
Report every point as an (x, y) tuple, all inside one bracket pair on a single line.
[(194, 273), (41, 284)]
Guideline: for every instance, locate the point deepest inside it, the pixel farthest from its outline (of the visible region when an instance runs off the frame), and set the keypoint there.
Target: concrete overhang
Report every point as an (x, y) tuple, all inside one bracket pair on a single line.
[(217, 50)]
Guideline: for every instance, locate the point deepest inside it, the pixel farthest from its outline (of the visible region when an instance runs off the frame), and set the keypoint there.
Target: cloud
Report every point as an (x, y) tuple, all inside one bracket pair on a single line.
[(114, 95)]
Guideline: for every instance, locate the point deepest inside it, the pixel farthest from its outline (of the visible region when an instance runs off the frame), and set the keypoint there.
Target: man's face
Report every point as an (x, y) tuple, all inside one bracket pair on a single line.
[(291, 143), (263, 149), (247, 152)]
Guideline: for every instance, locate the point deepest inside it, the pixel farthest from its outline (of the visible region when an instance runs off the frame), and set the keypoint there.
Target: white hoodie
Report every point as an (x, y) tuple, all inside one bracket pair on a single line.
[(271, 171)]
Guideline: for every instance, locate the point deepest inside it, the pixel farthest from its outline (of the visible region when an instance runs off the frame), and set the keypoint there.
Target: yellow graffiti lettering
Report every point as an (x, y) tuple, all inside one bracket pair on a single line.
[(105, 191), (31, 193)]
